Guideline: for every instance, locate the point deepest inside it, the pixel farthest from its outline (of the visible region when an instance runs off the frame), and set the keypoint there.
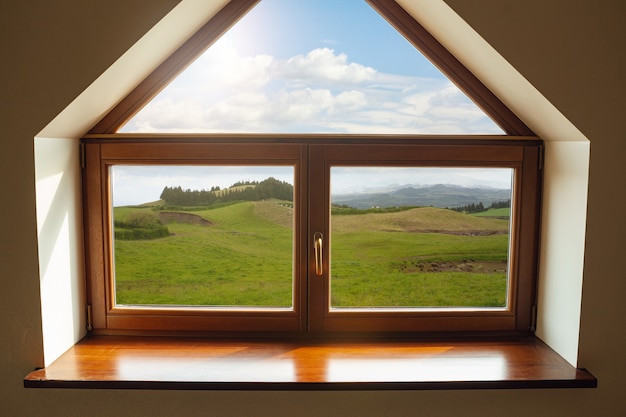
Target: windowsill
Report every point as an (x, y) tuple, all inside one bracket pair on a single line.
[(129, 362)]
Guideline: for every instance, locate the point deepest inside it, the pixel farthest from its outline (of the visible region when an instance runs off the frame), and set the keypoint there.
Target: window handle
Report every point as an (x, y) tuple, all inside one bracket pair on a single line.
[(317, 244)]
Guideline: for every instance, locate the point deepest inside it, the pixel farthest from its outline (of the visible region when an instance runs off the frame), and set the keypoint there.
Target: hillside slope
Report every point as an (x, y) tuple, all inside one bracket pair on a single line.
[(423, 219)]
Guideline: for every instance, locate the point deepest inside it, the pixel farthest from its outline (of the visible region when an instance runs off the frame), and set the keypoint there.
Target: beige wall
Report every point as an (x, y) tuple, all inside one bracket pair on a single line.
[(571, 50)]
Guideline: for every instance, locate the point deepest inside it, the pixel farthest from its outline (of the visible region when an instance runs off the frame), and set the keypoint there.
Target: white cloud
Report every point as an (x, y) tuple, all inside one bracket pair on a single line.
[(323, 66), (320, 91)]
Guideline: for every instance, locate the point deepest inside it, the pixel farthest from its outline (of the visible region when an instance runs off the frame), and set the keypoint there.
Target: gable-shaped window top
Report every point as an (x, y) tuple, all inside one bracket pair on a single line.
[(312, 67), (295, 179)]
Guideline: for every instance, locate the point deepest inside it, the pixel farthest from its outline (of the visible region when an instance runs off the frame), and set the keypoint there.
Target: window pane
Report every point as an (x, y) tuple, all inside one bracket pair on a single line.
[(312, 67), (419, 237), (217, 236)]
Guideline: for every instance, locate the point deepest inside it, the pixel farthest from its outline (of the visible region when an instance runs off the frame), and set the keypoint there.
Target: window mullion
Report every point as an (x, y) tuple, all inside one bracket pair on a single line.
[(318, 223)]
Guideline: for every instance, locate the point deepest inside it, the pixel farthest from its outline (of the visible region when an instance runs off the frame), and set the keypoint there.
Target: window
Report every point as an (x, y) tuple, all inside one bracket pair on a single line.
[(386, 252), (317, 232), (230, 251), (278, 70)]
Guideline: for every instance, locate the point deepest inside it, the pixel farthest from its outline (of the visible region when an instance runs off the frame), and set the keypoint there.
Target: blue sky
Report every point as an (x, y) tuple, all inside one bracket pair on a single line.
[(315, 66), (286, 28)]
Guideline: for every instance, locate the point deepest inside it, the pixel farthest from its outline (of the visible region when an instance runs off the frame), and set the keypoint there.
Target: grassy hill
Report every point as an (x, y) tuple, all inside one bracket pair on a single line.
[(241, 255), (423, 219), (504, 212), (275, 211)]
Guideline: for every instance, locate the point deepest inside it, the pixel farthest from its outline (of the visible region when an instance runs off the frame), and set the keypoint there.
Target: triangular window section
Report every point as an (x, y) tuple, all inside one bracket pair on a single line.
[(312, 66)]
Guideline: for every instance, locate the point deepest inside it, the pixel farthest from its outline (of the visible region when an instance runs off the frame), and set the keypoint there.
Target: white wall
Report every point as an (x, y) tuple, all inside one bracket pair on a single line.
[(60, 238), (564, 215)]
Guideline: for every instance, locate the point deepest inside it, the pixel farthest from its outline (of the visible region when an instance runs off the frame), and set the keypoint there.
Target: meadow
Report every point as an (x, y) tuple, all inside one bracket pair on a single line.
[(241, 255)]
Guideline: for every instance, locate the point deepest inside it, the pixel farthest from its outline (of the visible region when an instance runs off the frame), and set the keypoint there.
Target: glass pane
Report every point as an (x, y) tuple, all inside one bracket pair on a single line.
[(419, 237), (323, 66), (203, 235)]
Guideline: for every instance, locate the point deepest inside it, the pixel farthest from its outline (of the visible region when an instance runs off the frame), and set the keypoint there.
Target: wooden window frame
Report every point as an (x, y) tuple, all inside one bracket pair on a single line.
[(105, 315), (312, 156), (523, 156)]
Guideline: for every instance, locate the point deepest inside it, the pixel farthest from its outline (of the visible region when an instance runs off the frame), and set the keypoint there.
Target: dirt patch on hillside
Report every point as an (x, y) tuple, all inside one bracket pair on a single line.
[(185, 218), (481, 267)]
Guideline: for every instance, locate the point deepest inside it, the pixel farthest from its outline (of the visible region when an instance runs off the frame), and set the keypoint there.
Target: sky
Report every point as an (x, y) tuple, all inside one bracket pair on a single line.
[(314, 66), (138, 184), (371, 179)]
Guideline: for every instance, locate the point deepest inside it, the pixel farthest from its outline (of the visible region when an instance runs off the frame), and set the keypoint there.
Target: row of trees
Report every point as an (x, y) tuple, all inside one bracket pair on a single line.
[(480, 207), (245, 191), (501, 204)]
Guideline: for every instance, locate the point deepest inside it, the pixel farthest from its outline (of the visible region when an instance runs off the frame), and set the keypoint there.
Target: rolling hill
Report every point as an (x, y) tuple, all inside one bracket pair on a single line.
[(440, 195), (420, 220)]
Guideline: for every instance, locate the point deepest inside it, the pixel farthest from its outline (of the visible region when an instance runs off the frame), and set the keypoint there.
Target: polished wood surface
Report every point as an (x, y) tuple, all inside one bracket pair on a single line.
[(131, 362)]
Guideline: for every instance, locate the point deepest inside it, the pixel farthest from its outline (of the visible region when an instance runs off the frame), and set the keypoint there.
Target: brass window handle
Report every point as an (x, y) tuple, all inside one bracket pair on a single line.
[(318, 246)]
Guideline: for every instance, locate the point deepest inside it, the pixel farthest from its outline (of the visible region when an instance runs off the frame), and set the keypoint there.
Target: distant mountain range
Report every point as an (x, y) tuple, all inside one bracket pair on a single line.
[(440, 195)]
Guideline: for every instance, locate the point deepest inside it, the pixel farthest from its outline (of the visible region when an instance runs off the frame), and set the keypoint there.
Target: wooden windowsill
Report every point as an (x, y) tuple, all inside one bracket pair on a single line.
[(129, 362)]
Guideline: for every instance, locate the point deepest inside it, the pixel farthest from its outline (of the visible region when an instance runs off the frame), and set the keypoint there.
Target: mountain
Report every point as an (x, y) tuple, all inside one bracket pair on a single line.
[(439, 195)]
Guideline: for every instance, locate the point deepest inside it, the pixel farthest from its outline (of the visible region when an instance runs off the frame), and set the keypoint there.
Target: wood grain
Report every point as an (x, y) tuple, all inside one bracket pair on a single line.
[(119, 362)]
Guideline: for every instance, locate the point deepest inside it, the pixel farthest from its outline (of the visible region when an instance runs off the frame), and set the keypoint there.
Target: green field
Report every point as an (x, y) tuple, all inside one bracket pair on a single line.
[(504, 212), (241, 255)]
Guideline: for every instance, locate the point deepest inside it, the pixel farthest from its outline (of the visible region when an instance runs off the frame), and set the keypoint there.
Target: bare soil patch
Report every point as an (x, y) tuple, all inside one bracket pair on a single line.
[(483, 267)]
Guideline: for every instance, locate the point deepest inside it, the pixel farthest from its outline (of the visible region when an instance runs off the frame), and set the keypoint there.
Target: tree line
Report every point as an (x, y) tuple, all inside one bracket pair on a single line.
[(266, 189), (480, 207)]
